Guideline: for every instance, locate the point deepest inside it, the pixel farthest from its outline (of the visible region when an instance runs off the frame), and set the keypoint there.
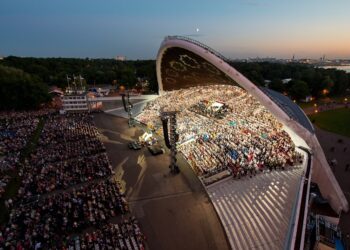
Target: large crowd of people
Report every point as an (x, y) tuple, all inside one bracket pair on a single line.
[(67, 198), (16, 129), (124, 235), (224, 128), (73, 154), (63, 214)]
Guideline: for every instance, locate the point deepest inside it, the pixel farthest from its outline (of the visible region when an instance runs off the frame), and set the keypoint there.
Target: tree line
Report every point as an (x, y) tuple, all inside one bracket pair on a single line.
[(53, 71), (24, 81), (306, 79)]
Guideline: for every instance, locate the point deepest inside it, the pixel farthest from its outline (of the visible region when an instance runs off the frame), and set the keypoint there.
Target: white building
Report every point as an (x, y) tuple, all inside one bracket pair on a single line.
[(120, 58), (286, 80), (75, 103)]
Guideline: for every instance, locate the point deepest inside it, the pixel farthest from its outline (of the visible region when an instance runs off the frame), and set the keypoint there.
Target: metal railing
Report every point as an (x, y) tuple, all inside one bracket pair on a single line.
[(297, 225), (187, 39)]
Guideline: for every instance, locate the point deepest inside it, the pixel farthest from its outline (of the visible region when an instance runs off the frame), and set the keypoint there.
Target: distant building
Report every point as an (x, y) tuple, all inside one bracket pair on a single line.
[(328, 235), (267, 83), (120, 58), (308, 98), (99, 91), (305, 61), (94, 104), (287, 80), (263, 59)]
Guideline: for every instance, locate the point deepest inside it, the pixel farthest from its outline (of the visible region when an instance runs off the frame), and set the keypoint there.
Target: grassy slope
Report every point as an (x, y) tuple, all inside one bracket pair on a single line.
[(336, 121)]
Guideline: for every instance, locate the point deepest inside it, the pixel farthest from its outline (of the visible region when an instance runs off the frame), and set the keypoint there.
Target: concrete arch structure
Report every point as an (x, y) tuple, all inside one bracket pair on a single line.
[(183, 63)]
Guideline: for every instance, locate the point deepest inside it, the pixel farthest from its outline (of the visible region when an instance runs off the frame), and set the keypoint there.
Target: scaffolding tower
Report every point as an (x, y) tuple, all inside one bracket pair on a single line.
[(171, 137), (128, 108)]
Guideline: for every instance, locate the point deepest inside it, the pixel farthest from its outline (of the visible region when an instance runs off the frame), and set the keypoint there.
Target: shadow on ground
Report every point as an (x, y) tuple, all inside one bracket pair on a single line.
[(174, 211)]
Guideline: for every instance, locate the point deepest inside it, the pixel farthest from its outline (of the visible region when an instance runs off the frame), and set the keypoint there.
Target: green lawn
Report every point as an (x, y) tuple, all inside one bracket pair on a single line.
[(306, 104), (336, 121)]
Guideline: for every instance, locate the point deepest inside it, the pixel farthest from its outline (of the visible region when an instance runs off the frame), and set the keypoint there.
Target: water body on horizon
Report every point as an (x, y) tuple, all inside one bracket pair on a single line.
[(346, 68)]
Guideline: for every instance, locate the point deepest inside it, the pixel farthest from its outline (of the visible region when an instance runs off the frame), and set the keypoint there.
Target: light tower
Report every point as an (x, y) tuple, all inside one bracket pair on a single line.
[(128, 108), (170, 137)]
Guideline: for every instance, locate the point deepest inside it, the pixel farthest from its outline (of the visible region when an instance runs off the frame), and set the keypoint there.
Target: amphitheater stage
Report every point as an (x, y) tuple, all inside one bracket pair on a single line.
[(256, 213)]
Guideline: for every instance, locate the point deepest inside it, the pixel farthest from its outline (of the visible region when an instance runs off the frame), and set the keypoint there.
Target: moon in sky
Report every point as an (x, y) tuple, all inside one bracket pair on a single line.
[(197, 30)]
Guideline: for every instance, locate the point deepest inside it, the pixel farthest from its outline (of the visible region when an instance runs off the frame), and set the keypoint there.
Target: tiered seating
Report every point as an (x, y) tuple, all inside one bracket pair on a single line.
[(241, 136)]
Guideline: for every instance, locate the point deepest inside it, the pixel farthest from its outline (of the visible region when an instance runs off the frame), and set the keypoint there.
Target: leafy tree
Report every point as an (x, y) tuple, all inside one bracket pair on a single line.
[(327, 83), (19, 90), (298, 89), (277, 84)]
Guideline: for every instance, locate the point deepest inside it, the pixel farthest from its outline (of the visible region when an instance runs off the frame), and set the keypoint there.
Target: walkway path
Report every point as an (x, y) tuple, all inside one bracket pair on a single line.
[(321, 108), (327, 141)]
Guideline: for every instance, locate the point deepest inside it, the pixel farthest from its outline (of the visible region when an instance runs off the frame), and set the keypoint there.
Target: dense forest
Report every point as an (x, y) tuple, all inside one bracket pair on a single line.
[(20, 90), (53, 71), (23, 81)]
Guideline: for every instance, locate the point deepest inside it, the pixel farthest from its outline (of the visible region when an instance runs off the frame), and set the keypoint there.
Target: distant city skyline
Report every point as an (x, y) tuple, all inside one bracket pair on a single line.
[(135, 29)]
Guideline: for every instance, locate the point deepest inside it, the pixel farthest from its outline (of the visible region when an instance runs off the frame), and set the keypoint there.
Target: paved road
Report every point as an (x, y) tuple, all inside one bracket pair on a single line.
[(175, 211), (321, 108), (327, 141)]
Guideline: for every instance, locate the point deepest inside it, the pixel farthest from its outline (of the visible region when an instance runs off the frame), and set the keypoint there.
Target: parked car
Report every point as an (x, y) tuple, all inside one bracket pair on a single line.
[(134, 145)]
